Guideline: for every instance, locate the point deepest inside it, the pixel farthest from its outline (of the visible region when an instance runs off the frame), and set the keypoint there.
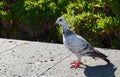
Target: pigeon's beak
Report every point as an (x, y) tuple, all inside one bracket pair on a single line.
[(56, 22)]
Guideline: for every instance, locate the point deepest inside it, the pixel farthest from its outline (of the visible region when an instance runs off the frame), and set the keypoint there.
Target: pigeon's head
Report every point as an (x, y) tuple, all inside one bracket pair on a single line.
[(61, 21)]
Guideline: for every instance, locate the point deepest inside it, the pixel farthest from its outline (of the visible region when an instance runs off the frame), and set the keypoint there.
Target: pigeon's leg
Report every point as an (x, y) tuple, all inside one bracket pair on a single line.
[(76, 64)]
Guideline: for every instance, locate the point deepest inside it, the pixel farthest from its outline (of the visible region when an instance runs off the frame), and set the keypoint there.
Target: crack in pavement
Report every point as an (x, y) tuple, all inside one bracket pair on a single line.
[(13, 47), (54, 65)]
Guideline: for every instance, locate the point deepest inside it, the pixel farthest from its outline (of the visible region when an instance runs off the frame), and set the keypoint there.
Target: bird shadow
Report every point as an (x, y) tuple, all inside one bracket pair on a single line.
[(100, 70)]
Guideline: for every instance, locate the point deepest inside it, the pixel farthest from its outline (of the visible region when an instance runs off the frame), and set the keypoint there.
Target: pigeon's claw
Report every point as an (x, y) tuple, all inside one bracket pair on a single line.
[(75, 64)]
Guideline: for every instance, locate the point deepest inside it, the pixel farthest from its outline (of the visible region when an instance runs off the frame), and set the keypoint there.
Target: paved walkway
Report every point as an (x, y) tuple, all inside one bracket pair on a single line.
[(37, 59)]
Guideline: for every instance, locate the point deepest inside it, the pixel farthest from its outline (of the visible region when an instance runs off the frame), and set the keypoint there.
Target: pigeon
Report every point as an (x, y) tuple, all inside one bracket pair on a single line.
[(78, 45)]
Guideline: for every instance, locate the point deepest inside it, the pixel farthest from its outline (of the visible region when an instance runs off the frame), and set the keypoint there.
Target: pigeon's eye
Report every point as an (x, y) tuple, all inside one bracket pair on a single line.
[(60, 20)]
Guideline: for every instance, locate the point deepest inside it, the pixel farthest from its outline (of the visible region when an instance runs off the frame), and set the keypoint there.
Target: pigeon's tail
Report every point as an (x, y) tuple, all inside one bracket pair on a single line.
[(100, 55), (105, 59)]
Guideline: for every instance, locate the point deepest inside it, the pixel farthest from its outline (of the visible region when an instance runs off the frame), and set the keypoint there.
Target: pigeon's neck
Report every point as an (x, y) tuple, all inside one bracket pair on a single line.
[(66, 30), (65, 27)]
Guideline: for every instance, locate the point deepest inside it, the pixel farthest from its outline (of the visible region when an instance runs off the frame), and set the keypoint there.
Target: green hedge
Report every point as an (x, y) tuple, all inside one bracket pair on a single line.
[(34, 18), (96, 20)]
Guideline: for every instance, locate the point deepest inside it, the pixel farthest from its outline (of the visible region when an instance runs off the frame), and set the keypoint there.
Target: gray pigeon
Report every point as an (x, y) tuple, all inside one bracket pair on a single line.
[(77, 44)]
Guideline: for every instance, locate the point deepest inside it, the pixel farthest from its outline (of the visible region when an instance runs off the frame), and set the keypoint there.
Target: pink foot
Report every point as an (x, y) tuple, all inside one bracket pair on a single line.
[(75, 64)]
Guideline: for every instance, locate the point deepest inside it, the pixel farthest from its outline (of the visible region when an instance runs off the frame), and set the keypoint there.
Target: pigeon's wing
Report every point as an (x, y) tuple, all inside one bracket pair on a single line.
[(78, 44)]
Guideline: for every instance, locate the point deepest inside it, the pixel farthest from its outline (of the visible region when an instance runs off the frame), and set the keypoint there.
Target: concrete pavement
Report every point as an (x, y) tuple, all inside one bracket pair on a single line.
[(36, 59)]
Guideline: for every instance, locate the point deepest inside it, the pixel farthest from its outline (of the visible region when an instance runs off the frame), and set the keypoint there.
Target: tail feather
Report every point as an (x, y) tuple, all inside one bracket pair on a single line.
[(96, 53), (105, 59)]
